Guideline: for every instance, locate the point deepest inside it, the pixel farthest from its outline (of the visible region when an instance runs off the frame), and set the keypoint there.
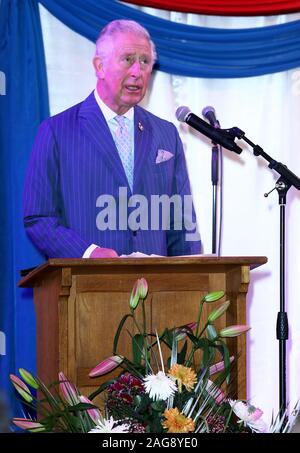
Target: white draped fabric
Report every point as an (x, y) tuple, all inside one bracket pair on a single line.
[(267, 108)]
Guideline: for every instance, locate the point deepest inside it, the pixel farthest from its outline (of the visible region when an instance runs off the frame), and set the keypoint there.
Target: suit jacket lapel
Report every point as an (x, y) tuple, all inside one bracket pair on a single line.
[(96, 128), (143, 145)]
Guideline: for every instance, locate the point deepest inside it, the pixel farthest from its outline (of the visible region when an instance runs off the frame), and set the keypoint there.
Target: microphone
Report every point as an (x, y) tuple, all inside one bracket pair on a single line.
[(210, 114), (220, 136)]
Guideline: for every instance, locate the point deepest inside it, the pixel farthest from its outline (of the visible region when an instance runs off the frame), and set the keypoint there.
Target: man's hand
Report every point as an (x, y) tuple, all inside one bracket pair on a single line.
[(101, 252)]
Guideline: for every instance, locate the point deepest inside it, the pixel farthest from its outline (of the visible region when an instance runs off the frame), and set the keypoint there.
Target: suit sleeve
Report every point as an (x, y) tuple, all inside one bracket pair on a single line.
[(43, 204), (183, 238)]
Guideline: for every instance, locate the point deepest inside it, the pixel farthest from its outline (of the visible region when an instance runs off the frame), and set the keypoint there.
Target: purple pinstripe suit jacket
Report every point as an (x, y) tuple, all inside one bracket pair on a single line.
[(74, 160)]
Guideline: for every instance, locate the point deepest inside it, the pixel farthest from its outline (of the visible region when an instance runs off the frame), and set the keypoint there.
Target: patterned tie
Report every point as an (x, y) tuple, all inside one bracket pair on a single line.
[(124, 145)]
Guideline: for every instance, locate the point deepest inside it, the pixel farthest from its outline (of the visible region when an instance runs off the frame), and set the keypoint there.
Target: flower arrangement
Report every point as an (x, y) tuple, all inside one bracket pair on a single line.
[(182, 394)]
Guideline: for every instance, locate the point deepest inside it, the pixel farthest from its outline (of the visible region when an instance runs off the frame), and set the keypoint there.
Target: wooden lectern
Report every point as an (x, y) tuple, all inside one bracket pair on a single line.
[(80, 302)]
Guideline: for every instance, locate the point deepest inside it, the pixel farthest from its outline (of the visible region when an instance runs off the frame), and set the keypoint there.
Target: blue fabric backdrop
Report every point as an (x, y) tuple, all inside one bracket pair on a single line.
[(22, 108), (183, 49), (189, 50)]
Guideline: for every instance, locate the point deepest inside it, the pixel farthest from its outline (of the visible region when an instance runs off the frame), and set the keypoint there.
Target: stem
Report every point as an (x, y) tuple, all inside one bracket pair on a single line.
[(146, 345), (199, 316), (194, 349)]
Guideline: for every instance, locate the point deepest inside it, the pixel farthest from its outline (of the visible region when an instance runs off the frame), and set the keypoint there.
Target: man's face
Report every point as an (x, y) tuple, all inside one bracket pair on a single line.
[(124, 74)]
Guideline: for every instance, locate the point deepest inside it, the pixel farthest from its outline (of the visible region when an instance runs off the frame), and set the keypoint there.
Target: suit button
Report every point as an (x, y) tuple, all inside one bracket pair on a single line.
[(134, 233)]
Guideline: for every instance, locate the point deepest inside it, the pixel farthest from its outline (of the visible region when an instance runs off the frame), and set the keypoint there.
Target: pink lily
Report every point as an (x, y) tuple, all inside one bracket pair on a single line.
[(219, 366), (28, 424), (233, 331), (68, 390), (21, 388), (180, 332), (93, 413), (106, 366), (216, 393)]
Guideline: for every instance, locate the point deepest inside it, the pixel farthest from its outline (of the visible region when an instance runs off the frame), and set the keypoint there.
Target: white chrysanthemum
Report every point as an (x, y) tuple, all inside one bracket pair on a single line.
[(159, 386), (107, 426), (249, 415)]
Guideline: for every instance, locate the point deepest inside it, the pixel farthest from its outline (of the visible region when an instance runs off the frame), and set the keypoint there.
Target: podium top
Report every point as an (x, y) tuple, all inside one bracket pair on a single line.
[(202, 263)]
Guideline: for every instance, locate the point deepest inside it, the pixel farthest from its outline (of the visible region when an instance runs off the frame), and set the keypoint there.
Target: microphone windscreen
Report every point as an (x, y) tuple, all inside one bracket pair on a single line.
[(208, 109), (182, 112)]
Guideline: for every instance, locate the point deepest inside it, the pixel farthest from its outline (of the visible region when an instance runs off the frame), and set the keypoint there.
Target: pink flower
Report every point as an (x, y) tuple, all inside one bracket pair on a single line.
[(106, 366), (181, 332), (219, 366), (28, 424), (248, 415), (93, 413), (215, 392), (21, 388), (68, 390)]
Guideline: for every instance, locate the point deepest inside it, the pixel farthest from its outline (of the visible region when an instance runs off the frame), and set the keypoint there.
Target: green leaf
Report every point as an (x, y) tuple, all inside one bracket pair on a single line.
[(137, 348), (100, 389), (167, 337), (119, 330), (158, 406), (182, 354), (226, 358)]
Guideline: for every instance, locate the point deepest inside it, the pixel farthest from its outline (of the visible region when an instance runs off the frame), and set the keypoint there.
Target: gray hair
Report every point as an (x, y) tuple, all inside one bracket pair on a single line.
[(122, 26)]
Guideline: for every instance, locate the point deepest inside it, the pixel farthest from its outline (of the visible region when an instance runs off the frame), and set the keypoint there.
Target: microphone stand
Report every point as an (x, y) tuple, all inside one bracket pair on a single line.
[(283, 184), (214, 180)]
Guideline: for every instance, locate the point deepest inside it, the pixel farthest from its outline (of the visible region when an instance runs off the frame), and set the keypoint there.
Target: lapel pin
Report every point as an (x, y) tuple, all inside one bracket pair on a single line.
[(140, 126)]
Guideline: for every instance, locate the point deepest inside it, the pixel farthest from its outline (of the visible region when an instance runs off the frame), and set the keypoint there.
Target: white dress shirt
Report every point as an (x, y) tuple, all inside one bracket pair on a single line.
[(109, 116)]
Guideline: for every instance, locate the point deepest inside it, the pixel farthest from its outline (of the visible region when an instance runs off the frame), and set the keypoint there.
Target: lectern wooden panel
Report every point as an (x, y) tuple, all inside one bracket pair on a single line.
[(79, 303)]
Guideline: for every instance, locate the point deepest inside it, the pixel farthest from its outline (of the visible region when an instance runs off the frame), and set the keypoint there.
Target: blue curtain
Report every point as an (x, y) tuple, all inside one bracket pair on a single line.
[(189, 50), (23, 105), (182, 49)]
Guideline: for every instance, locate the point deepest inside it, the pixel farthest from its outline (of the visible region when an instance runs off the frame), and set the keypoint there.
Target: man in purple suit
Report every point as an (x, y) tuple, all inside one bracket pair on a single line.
[(106, 177)]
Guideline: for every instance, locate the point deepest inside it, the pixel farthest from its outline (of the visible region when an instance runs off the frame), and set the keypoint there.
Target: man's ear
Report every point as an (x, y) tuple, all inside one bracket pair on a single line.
[(98, 65)]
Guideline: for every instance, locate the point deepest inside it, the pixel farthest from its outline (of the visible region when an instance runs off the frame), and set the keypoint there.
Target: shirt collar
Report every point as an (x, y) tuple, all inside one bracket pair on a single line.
[(108, 113)]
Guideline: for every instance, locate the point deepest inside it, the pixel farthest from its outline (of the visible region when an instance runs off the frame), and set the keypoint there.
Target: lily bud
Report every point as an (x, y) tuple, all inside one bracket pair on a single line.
[(139, 291), (21, 388), (233, 331), (218, 312), (135, 296), (219, 366), (143, 288), (29, 425), (28, 378), (211, 332), (68, 390), (180, 332), (93, 413), (213, 297), (106, 366)]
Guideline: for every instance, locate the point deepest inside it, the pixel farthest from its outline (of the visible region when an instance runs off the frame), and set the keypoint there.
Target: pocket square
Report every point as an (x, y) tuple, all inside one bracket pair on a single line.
[(163, 155)]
